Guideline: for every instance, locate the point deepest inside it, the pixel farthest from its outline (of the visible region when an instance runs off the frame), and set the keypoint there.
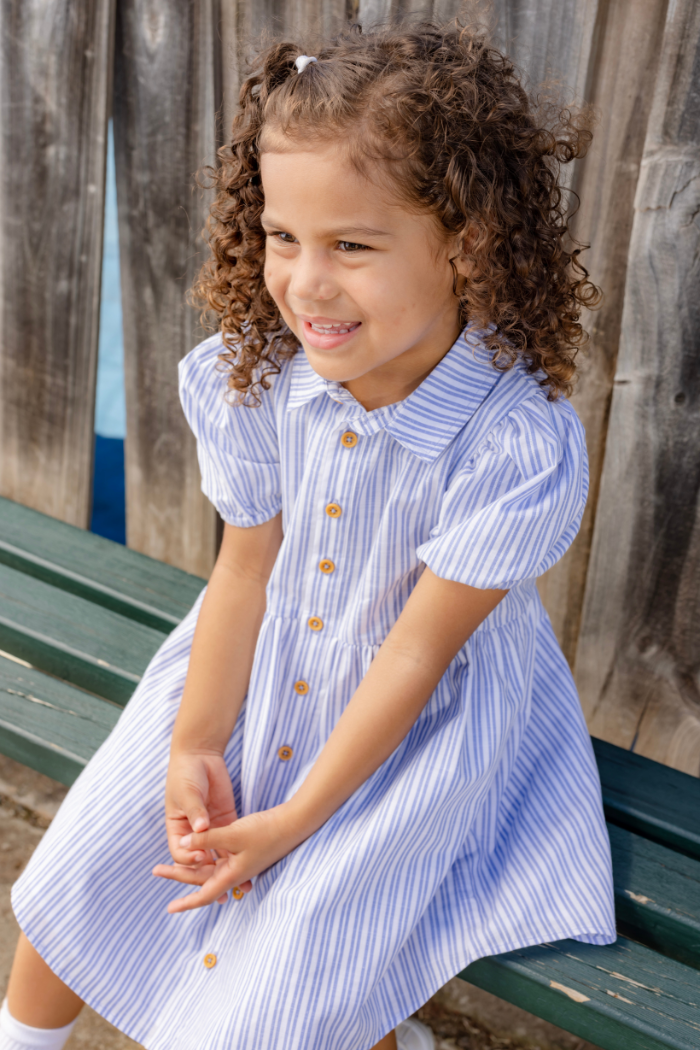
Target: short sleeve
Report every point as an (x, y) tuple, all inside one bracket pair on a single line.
[(513, 509), (237, 446)]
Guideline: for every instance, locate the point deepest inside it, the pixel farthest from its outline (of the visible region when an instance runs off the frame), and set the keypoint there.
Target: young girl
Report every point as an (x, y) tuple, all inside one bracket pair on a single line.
[(363, 742)]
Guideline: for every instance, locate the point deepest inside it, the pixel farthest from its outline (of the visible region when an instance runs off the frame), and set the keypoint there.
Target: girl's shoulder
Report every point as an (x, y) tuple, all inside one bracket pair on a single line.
[(205, 375), (538, 434), (532, 433), (248, 430)]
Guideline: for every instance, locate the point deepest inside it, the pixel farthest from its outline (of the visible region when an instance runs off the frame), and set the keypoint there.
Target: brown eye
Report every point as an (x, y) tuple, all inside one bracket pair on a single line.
[(350, 246)]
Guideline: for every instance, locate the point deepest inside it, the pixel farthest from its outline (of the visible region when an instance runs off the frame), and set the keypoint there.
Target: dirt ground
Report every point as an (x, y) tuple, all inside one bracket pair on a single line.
[(461, 1016)]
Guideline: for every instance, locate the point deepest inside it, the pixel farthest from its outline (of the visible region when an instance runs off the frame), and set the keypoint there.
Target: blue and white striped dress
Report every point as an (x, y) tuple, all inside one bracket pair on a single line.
[(483, 831)]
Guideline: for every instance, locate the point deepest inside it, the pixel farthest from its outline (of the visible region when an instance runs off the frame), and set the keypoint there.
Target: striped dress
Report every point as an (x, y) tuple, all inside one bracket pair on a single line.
[(483, 832)]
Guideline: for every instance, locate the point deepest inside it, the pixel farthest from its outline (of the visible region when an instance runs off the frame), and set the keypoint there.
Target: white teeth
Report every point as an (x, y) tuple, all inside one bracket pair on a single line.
[(330, 329)]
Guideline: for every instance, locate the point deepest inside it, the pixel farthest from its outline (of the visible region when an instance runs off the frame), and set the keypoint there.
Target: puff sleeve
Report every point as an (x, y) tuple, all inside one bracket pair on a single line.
[(237, 446), (511, 511)]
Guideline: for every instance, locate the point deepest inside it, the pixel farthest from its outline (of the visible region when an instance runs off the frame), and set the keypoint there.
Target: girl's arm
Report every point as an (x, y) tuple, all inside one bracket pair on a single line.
[(437, 620), (198, 788)]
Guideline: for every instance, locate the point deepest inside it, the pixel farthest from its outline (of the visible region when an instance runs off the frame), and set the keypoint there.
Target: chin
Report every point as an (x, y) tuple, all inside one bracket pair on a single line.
[(330, 368)]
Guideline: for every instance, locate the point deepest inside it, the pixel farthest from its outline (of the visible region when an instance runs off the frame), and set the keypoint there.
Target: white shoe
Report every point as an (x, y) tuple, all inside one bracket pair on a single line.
[(412, 1035)]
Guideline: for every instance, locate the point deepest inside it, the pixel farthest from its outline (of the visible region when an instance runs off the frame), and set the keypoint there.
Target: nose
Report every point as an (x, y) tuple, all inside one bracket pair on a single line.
[(311, 279)]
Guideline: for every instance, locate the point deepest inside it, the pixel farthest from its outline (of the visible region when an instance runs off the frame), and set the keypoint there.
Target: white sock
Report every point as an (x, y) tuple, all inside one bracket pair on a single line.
[(17, 1036)]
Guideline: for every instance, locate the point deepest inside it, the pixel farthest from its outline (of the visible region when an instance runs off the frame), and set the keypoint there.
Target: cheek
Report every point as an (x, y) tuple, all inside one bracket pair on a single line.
[(404, 293), (274, 278)]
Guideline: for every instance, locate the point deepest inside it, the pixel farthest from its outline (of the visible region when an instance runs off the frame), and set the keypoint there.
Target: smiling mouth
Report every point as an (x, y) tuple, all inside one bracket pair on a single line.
[(342, 328)]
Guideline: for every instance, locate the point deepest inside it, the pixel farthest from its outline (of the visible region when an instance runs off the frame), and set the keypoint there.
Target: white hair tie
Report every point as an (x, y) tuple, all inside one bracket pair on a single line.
[(302, 62)]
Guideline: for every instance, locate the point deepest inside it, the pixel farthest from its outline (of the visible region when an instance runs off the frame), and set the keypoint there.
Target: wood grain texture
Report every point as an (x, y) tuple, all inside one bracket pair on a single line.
[(620, 996), (73, 638), (549, 42), (647, 797), (657, 896), (638, 659), (377, 11), (50, 725), (621, 78), (95, 568), (165, 103), (245, 25), (55, 67)]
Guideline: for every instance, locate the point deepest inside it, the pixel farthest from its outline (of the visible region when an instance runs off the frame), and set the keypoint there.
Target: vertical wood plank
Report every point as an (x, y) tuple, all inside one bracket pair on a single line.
[(444, 10), (54, 88), (638, 659), (165, 103), (548, 41), (314, 16), (371, 11), (621, 84), (244, 23)]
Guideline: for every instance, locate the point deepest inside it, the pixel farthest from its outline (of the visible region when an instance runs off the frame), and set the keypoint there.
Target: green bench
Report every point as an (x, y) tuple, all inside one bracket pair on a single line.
[(80, 618)]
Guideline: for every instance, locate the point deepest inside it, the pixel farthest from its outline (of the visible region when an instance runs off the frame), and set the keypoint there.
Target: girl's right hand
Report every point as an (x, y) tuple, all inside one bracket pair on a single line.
[(198, 796)]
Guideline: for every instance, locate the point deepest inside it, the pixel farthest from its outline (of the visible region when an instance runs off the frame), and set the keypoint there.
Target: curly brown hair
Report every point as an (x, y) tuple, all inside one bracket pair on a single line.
[(448, 115)]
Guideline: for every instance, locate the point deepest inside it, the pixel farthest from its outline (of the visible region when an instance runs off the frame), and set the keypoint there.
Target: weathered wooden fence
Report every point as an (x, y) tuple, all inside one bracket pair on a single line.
[(625, 600)]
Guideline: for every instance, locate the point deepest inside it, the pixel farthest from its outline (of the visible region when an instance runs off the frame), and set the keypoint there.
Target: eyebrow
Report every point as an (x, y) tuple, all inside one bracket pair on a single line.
[(362, 231)]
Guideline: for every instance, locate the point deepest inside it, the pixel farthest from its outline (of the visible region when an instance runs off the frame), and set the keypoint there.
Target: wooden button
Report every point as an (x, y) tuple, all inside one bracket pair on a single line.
[(285, 753), (326, 565), (237, 893), (209, 961), (333, 510), (301, 687), (315, 624), (349, 439)]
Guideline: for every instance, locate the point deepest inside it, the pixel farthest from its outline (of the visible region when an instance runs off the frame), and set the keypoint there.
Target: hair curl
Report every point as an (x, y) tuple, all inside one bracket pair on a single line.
[(448, 115)]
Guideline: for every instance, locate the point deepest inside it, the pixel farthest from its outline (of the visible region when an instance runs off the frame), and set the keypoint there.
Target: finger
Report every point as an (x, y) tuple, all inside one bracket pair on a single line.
[(216, 886), (176, 827), (214, 838), (181, 873), (195, 809), (184, 856)]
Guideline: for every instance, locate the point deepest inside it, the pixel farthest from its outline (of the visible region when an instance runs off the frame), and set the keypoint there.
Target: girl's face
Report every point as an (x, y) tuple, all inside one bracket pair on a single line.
[(364, 283)]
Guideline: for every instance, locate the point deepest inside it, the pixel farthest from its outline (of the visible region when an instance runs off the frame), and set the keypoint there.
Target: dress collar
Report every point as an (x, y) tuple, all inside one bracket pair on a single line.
[(428, 419)]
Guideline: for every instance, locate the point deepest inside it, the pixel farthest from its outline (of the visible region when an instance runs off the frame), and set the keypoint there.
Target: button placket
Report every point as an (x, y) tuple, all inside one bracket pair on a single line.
[(348, 439)]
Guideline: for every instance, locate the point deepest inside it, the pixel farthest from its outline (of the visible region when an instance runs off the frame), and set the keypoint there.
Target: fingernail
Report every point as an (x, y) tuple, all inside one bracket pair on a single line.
[(186, 841)]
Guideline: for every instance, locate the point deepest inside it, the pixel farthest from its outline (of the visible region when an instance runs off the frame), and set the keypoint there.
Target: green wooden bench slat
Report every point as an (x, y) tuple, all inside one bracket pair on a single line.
[(648, 797), (92, 567), (657, 895), (84, 643), (49, 725), (622, 996)]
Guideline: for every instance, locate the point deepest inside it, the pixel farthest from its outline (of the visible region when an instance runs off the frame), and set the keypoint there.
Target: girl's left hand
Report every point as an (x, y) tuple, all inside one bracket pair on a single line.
[(241, 850)]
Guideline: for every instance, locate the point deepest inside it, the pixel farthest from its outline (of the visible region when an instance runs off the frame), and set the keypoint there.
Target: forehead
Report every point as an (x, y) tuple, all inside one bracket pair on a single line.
[(324, 174), (319, 186)]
